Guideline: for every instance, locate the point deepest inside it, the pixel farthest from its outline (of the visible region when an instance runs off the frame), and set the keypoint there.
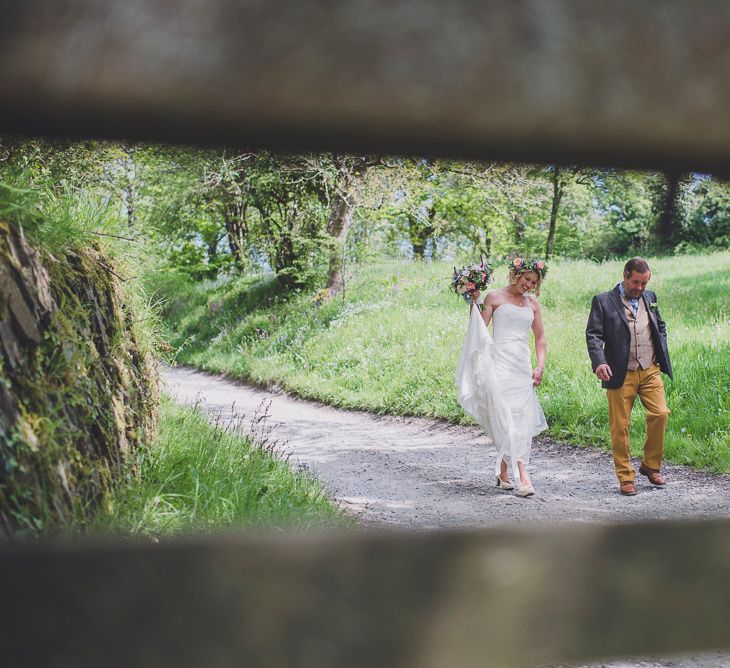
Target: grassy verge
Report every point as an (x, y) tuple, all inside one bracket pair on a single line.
[(199, 476), (393, 344)]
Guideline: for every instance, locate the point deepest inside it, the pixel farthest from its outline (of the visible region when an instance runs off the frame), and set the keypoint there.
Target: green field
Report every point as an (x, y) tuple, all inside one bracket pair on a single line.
[(392, 344)]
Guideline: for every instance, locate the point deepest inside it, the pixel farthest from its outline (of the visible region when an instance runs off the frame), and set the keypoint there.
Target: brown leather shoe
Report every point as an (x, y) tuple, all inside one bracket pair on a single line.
[(655, 478), (627, 487)]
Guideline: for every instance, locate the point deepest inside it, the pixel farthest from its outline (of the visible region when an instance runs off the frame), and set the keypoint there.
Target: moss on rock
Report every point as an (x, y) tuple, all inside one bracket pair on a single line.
[(77, 393)]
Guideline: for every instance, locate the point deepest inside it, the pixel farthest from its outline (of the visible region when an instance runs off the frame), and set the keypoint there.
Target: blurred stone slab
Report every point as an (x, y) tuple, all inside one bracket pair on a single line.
[(622, 82), (489, 598)]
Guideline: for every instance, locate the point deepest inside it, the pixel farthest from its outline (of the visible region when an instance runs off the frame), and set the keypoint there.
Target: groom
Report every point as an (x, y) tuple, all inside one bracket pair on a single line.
[(627, 344)]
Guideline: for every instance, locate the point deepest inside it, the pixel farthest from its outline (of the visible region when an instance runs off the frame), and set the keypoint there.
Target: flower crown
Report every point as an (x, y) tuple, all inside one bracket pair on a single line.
[(522, 266)]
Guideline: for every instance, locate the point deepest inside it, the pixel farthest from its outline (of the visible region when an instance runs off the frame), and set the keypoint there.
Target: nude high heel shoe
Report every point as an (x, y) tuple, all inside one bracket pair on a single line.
[(526, 491), (504, 484)]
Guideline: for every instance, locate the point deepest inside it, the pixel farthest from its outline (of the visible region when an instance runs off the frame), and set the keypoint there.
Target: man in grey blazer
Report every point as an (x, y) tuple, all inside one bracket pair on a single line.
[(627, 344)]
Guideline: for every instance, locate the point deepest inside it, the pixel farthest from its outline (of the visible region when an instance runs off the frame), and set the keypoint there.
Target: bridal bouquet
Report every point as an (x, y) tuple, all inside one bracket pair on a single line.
[(469, 279)]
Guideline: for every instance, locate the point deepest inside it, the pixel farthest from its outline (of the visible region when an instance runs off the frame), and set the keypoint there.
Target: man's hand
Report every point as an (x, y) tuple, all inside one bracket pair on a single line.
[(603, 371)]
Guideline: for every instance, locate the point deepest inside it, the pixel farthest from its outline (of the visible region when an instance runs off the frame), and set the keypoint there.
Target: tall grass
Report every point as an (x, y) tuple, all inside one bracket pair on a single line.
[(199, 476), (393, 344), (65, 219), (57, 219)]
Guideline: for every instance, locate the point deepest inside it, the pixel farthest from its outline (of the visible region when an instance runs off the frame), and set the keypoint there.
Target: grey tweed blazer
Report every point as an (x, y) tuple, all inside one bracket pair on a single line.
[(608, 337)]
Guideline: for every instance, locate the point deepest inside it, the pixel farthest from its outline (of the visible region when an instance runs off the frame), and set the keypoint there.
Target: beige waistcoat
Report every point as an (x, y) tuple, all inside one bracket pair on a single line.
[(641, 351)]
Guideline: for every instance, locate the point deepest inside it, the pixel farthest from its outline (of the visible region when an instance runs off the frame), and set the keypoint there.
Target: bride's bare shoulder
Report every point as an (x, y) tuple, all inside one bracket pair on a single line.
[(493, 298), (496, 296)]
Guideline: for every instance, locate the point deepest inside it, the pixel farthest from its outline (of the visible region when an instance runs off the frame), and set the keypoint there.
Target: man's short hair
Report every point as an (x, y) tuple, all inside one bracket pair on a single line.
[(636, 264)]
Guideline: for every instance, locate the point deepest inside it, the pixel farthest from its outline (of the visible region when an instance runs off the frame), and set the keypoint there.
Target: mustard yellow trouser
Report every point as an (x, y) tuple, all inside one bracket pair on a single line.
[(648, 384)]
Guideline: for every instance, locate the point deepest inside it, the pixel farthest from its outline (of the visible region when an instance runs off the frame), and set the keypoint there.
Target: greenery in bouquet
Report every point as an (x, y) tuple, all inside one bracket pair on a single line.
[(467, 280)]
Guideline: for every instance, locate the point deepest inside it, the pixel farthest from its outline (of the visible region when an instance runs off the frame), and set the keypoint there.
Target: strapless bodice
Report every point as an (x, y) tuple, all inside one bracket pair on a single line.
[(512, 323)]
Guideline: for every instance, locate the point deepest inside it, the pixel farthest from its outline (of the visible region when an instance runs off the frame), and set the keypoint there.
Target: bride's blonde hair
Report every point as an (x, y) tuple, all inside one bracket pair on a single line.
[(514, 275)]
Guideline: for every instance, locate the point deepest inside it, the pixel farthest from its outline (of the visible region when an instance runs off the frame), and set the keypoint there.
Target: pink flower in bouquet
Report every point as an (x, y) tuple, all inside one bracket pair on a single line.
[(517, 262), (540, 265), (467, 280)]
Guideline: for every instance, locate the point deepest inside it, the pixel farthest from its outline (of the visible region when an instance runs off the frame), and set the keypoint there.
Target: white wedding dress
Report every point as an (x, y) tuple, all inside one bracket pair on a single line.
[(494, 383)]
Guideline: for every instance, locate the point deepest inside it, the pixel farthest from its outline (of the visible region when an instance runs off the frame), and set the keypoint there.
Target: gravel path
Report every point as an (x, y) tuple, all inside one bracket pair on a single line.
[(416, 473), (420, 473)]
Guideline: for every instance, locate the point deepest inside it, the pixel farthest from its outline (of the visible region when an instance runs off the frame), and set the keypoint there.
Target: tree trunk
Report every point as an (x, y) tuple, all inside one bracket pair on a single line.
[(520, 229), (421, 233), (212, 246), (668, 218), (419, 238), (558, 187), (351, 173), (284, 261), (234, 218), (213, 249), (341, 216), (234, 242), (130, 190)]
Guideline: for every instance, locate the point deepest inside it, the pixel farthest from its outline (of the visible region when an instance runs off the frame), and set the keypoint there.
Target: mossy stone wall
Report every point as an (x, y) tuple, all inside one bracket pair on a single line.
[(77, 394)]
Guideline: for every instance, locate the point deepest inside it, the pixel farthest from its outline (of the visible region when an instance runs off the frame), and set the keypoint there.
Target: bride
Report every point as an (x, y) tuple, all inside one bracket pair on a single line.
[(495, 379)]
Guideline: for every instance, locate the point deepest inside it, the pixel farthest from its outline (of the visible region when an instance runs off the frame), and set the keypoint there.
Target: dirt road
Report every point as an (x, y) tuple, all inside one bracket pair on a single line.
[(418, 474)]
